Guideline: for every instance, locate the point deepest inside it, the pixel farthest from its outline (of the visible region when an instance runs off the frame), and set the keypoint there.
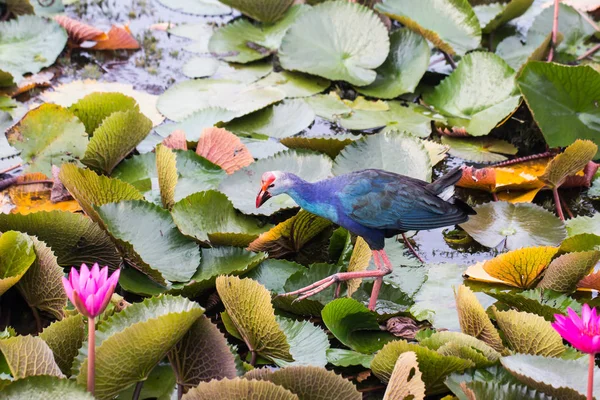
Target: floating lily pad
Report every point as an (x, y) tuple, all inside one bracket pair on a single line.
[(494, 15), (330, 145), (181, 100), (478, 95), (354, 325), (572, 114), (199, 7), (128, 340), (195, 123), (241, 41), (336, 40), (195, 174), (581, 224), (481, 150), (382, 151), (30, 43), (404, 67), (49, 135), (346, 358), (518, 225), (279, 121), (516, 54), (295, 84), (273, 273), (261, 10), (545, 303), (241, 187), (308, 343), (17, 256), (200, 67), (149, 235), (580, 242), (451, 26)]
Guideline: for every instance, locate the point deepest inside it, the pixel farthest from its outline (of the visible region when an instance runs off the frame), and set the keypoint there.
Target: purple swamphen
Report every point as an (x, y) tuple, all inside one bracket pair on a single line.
[(373, 204)]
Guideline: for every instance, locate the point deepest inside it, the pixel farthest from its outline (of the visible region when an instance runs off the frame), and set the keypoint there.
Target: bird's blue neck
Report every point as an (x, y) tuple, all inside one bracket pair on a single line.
[(311, 197)]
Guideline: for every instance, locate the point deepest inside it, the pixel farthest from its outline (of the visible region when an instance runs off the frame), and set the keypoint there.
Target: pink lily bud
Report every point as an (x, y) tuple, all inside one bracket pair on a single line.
[(90, 291), (583, 333)]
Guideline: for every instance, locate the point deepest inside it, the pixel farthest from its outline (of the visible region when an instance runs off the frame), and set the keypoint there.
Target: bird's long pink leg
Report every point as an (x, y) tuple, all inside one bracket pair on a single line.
[(412, 250), (345, 276)]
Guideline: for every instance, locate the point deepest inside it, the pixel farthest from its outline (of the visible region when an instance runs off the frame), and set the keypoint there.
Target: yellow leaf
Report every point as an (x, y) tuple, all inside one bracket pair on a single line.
[(406, 381), (290, 235), (572, 160), (522, 267), (36, 197), (476, 273), (166, 166), (529, 333), (248, 304), (518, 196), (359, 261), (474, 320)]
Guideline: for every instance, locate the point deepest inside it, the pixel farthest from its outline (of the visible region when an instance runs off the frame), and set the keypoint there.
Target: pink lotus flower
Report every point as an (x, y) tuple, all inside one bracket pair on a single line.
[(90, 291), (583, 334)]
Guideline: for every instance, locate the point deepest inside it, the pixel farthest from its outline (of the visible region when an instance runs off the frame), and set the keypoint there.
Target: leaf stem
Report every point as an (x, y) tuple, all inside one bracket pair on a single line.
[(589, 53), (4, 171), (91, 355), (554, 30), (559, 210), (179, 391), (449, 59), (590, 388), (138, 390), (253, 359)]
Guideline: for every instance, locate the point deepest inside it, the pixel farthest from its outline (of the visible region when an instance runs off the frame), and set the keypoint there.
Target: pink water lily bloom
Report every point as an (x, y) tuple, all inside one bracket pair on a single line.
[(583, 333), (90, 290)]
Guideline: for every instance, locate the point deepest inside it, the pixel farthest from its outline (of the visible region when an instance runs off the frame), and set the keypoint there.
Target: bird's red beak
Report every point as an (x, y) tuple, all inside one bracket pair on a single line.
[(262, 196)]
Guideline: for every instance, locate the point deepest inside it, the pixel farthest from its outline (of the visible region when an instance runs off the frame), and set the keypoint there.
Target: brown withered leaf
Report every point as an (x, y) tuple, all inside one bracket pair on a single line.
[(119, 38), (80, 32), (406, 381), (224, 149), (36, 195), (59, 192), (42, 79), (404, 327), (592, 281), (176, 140)]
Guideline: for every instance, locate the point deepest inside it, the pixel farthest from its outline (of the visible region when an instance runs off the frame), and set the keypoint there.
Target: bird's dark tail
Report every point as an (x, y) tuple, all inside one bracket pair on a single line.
[(444, 188)]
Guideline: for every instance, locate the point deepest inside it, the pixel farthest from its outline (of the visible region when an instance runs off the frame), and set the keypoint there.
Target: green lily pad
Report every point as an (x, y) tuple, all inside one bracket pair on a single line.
[(200, 67), (544, 303), (516, 54), (494, 15), (48, 135), (581, 224), (242, 389), (261, 10), (95, 107), (195, 174), (241, 187), (74, 238), (434, 366), (248, 305), (64, 338), (463, 346), (220, 261), (241, 41), (594, 190), (572, 114), (354, 325), (159, 385), (90, 189), (41, 286), (210, 217), (382, 151), (202, 354), (451, 26), (44, 388), (404, 67), (518, 225), (126, 345), (347, 358), (273, 273), (480, 150), (17, 256), (181, 100), (580, 242), (553, 376), (195, 123), (279, 121), (295, 84), (28, 356), (478, 95), (199, 7), (147, 233), (30, 43), (330, 145), (115, 138), (308, 343), (200, 33), (336, 40)]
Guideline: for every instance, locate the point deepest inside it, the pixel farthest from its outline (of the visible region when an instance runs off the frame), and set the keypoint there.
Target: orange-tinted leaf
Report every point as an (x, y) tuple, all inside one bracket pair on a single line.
[(521, 176), (80, 32), (35, 197), (41, 79), (119, 38), (224, 149), (592, 281), (521, 267), (518, 196), (176, 140)]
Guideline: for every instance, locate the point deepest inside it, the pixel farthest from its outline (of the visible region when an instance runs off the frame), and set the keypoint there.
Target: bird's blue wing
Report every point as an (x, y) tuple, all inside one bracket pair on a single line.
[(388, 201)]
